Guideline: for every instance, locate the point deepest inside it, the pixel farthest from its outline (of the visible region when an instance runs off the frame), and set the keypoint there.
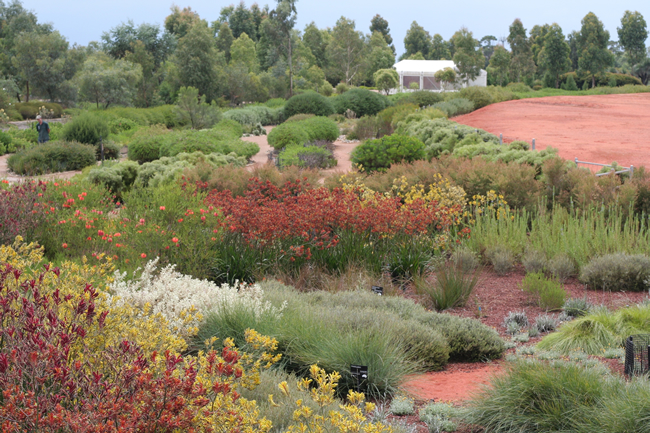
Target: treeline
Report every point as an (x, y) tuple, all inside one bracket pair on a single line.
[(543, 57), (253, 53)]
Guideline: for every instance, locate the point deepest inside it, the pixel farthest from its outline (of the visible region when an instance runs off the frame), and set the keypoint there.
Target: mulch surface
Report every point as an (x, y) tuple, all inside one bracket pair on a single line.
[(497, 296), (598, 128)]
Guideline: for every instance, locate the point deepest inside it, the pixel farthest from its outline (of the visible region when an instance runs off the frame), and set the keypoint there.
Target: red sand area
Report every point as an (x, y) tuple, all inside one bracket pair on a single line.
[(601, 128)]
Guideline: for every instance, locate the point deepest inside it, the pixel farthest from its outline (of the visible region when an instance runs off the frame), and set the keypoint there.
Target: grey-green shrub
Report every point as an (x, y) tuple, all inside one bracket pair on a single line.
[(402, 405), (455, 107), (307, 157), (518, 317), (561, 267), (617, 272), (577, 307), (546, 323), (534, 261), (117, 178), (502, 259), (465, 259), (52, 157)]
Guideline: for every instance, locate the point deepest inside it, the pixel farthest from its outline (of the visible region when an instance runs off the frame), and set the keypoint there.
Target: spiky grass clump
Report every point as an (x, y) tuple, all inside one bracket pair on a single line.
[(538, 397), (599, 331)]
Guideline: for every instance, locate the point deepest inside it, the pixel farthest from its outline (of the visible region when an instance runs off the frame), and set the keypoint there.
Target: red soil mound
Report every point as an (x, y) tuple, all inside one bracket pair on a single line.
[(602, 128)]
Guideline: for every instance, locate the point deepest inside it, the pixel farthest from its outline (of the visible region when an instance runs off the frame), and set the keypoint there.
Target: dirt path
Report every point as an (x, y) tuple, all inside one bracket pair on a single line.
[(456, 383), (601, 128)]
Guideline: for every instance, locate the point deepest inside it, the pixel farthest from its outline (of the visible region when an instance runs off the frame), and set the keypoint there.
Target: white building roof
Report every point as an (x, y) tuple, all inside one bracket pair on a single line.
[(426, 66)]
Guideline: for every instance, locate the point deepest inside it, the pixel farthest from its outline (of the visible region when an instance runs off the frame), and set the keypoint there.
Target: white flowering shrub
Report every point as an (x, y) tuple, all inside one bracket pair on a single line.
[(182, 300)]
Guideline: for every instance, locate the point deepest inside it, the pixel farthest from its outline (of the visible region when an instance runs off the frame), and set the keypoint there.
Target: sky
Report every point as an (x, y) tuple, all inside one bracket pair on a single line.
[(82, 21)]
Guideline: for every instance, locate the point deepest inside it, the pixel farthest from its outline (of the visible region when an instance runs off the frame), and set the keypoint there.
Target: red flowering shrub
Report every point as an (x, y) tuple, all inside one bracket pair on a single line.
[(50, 381), (19, 213), (268, 213)]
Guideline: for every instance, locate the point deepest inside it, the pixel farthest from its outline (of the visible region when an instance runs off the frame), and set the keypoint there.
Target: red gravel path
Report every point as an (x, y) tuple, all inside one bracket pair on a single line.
[(600, 128)]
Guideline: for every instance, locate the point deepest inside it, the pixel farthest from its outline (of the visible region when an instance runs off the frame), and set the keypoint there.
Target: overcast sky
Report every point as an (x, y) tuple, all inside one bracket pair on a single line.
[(84, 21)]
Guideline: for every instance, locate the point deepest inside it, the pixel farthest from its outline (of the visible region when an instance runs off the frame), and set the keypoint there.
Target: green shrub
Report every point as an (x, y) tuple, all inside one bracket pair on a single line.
[(299, 117), (205, 141), (52, 157), (287, 134), (480, 96), (465, 259), (518, 87), (617, 272), (145, 143), (424, 98), (362, 102), (308, 103), (111, 151), (307, 157), (342, 88), (5, 142), (275, 103), (121, 124), (86, 128), (392, 149), (570, 84), (320, 128), (438, 417), (231, 127), (548, 294)]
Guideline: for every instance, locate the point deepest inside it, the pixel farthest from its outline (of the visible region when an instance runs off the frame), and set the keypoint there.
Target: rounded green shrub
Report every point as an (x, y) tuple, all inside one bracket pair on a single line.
[(320, 128), (424, 98), (243, 116), (380, 154), (117, 178), (5, 142), (275, 103), (520, 87), (287, 134), (52, 157), (480, 96), (145, 144), (231, 127), (121, 124), (86, 128), (361, 101), (308, 103), (29, 110), (299, 117), (206, 141)]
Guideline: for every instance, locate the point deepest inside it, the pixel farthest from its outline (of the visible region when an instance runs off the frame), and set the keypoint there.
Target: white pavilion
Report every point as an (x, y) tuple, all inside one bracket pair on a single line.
[(422, 72)]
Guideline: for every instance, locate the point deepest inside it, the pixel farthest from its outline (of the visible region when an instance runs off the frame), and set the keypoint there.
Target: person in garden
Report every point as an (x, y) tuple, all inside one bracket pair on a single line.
[(43, 130)]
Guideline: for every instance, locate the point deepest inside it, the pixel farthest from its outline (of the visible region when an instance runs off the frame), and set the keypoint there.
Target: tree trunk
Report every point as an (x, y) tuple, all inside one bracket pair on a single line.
[(290, 69), (593, 81), (27, 91)]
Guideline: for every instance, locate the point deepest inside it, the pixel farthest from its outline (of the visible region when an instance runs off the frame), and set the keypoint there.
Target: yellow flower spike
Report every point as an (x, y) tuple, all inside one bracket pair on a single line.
[(284, 388)]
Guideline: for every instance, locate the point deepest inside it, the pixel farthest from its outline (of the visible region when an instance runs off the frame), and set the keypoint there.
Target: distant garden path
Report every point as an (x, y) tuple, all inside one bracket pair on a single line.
[(342, 153), (598, 128)]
